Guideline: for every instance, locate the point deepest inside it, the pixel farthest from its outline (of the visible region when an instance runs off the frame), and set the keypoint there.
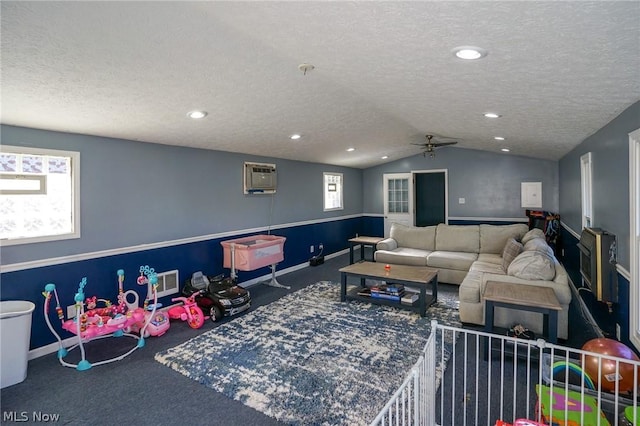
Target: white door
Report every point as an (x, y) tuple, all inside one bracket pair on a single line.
[(398, 199)]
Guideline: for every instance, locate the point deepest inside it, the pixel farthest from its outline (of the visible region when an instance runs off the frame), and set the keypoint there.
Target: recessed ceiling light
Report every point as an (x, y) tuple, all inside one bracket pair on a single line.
[(469, 52), (295, 137), (384, 157), (350, 149), (197, 114), (492, 115), (499, 138), (505, 150)]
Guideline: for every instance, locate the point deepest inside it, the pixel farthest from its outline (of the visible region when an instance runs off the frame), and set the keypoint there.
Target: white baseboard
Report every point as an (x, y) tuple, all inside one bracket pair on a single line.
[(53, 347)]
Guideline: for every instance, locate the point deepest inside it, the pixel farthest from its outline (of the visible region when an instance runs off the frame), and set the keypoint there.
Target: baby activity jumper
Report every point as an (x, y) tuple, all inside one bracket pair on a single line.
[(112, 320)]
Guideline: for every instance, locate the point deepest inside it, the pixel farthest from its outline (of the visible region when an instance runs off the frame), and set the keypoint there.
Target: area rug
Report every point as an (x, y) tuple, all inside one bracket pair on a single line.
[(308, 359)]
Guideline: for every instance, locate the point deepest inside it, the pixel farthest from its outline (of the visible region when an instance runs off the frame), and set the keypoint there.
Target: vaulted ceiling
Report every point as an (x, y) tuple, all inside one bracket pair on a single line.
[(384, 74)]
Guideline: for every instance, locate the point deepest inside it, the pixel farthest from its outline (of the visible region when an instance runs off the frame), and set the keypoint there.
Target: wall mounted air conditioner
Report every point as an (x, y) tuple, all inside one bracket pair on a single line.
[(260, 178)]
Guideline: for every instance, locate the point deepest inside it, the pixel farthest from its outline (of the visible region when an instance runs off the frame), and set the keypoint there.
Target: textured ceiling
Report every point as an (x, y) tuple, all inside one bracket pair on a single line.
[(384, 74)]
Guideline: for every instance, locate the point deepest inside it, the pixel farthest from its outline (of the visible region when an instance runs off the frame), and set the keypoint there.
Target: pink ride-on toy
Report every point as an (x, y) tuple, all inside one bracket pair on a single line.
[(189, 311)]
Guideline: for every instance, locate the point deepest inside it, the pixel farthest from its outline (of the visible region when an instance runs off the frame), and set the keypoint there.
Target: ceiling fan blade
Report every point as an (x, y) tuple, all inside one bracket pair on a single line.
[(439, 144)]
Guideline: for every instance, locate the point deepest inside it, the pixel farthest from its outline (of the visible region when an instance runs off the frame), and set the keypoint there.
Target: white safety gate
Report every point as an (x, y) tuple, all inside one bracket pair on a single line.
[(489, 377)]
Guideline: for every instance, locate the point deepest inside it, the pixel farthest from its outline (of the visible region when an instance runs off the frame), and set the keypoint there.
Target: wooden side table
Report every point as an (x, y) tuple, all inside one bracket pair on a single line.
[(524, 298), (363, 242)]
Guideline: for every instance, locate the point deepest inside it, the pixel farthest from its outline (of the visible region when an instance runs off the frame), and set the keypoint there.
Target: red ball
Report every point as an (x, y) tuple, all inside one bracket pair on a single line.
[(608, 377)]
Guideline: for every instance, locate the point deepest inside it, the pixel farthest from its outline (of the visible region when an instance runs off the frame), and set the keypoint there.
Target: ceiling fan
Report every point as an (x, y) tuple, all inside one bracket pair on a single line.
[(431, 145)]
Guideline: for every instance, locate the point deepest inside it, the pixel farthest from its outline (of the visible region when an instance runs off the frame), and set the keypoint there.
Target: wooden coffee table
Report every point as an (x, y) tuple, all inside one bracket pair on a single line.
[(417, 276)]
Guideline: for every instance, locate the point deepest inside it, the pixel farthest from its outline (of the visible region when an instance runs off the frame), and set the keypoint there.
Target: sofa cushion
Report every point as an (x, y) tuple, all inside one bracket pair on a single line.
[(492, 268), (494, 237), (490, 258), (471, 287), (402, 256), (387, 244), (451, 260), (538, 244), (534, 233), (533, 265), (417, 237), (464, 238), (511, 250), (560, 283)]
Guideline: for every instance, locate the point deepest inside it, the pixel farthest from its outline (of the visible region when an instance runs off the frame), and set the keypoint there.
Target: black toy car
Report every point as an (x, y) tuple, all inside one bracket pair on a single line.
[(223, 297)]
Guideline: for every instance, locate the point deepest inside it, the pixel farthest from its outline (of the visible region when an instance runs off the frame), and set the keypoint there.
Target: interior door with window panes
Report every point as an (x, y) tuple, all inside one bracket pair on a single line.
[(398, 200)]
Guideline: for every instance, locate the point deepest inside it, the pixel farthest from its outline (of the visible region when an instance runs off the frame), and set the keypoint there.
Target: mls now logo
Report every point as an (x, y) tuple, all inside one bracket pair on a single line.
[(25, 416), (15, 416)]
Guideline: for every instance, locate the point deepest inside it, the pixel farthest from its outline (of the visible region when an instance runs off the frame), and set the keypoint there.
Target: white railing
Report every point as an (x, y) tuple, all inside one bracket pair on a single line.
[(466, 377)]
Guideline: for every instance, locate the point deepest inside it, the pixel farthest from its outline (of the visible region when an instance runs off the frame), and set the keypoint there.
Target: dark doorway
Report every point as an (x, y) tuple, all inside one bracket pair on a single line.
[(430, 198)]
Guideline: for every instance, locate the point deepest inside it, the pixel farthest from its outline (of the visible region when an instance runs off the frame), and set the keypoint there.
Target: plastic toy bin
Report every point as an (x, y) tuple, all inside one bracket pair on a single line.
[(15, 334), (253, 252)]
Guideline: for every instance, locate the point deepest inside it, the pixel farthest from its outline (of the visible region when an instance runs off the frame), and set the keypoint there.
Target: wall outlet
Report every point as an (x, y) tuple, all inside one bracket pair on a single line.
[(310, 249), (321, 246), (461, 201), (618, 332), (71, 311)]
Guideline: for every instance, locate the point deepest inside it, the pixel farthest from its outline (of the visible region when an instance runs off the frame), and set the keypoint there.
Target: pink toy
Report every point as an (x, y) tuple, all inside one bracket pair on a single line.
[(110, 321), (253, 252), (189, 311), (250, 253), (156, 322)]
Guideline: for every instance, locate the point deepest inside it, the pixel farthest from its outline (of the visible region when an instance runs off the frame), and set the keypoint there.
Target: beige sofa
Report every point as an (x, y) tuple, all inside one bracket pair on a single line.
[(472, 255)]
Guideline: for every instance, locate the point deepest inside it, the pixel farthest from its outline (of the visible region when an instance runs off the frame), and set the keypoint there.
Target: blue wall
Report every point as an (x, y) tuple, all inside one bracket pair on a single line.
[(169, 207), (135, 193), (606, 319), (610, 156), (203, 256), (609, 148), (489, 182)]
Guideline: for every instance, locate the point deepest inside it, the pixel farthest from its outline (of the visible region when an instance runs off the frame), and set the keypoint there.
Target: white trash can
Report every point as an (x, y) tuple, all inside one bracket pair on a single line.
[(15, 334)]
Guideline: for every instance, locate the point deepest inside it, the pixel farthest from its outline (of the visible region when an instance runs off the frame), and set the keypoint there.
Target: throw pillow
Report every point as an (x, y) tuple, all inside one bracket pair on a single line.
[(511, 250), (538, 244), (534, 233), (533, 265)]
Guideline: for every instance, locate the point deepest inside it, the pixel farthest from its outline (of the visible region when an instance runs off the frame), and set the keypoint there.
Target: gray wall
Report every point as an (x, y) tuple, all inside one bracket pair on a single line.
[(610, 156), (489, 183), (136, 193)]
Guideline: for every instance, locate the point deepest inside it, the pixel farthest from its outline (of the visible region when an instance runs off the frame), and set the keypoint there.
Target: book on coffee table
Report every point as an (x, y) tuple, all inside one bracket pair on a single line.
[(409, 298), (364, 292), (385, 296)]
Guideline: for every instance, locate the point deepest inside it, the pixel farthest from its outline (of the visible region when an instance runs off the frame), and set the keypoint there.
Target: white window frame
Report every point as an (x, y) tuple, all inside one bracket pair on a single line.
[(75, 193), (634, 237), (327, 191), (586, 184), (13, 184)]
